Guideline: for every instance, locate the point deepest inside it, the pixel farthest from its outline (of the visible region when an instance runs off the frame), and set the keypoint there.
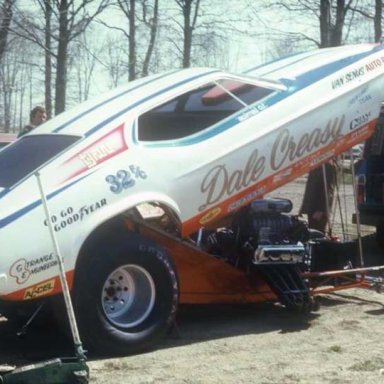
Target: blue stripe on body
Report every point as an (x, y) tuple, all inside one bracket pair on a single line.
[(23, 211)]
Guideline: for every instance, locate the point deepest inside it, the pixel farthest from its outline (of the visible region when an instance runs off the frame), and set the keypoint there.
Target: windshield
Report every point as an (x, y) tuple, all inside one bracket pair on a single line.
[(29, 153)]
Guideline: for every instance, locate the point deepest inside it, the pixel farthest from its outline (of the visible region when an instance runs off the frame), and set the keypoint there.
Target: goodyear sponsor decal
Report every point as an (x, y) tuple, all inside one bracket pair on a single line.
[(68, 216)]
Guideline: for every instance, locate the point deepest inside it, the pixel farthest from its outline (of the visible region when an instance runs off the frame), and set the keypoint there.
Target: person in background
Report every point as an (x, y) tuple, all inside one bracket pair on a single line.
[(37, 116), (315, 201)]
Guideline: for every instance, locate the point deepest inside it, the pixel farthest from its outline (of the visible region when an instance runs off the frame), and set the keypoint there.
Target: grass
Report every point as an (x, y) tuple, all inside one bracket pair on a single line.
[(335, 348)]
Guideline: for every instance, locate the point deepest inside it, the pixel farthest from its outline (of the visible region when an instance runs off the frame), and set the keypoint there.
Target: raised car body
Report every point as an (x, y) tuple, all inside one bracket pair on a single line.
[(201, 142)]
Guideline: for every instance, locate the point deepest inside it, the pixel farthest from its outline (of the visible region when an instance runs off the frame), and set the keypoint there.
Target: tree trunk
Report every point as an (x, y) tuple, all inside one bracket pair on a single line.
[(331, 33), (62, 55), (48, 59), (7, 96), (5, 22), (61, 76), (337, 28), (152, 39), (378, 20), (132, 42), (187, 34), (325, 21)]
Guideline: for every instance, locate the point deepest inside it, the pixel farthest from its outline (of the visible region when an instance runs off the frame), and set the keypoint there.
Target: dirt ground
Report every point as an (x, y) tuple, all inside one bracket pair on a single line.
[(341, 343)]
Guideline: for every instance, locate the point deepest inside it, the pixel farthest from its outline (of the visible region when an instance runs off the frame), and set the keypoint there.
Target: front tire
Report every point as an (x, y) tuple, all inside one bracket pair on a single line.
[(125, 297)]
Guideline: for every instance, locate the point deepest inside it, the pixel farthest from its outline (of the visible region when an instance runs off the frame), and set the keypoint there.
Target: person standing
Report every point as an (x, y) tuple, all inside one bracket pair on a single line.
[(318, 201), (37, 116)]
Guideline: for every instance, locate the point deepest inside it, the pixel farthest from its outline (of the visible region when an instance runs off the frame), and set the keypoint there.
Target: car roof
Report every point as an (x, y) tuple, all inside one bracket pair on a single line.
[(116, 105), (128, 101)]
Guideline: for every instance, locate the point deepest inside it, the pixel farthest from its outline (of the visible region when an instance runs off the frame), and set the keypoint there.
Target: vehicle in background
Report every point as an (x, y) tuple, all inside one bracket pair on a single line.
[(7, 138), (356, 152), (370, 181)]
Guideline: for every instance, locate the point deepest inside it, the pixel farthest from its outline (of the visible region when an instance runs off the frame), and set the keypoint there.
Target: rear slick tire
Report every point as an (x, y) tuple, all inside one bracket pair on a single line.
[(126, 297)]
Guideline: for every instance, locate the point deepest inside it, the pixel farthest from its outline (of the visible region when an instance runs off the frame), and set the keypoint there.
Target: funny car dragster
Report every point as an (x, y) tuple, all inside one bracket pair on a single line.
[(200, 148)]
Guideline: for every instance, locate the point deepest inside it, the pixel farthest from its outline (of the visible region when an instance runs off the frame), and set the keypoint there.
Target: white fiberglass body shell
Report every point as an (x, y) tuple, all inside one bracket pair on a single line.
[(109, 155)]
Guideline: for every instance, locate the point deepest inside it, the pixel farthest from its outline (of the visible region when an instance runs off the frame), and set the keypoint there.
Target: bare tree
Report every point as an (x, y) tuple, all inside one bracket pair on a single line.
[(152, 24), (142, 19), (128, 8), (378, 18), (324, 22), (115, 60), (8, 78), (374, 13), (71, 18), (6, 13), (330, 14), (70, 27), (332, 19), (46, 6), (20, 74), (190, 12), (284, 46), (198, 31), (84, 55)]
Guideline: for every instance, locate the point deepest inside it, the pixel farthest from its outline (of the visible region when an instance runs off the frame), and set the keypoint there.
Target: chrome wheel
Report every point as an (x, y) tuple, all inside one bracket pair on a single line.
[(128, 296)]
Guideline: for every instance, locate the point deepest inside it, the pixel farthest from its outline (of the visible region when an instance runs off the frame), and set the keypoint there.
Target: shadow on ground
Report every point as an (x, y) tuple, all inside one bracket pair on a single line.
[(194, 324)]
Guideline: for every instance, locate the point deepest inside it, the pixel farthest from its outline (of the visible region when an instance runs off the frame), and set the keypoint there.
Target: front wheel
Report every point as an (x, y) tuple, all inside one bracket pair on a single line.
[(126, 297)]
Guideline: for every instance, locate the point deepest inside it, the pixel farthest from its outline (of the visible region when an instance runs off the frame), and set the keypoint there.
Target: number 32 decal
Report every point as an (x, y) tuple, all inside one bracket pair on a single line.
[(124, 179)]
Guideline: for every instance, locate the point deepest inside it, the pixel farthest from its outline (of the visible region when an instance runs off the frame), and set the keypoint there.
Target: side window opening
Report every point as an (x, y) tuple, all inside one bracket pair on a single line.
[(198, 109)]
